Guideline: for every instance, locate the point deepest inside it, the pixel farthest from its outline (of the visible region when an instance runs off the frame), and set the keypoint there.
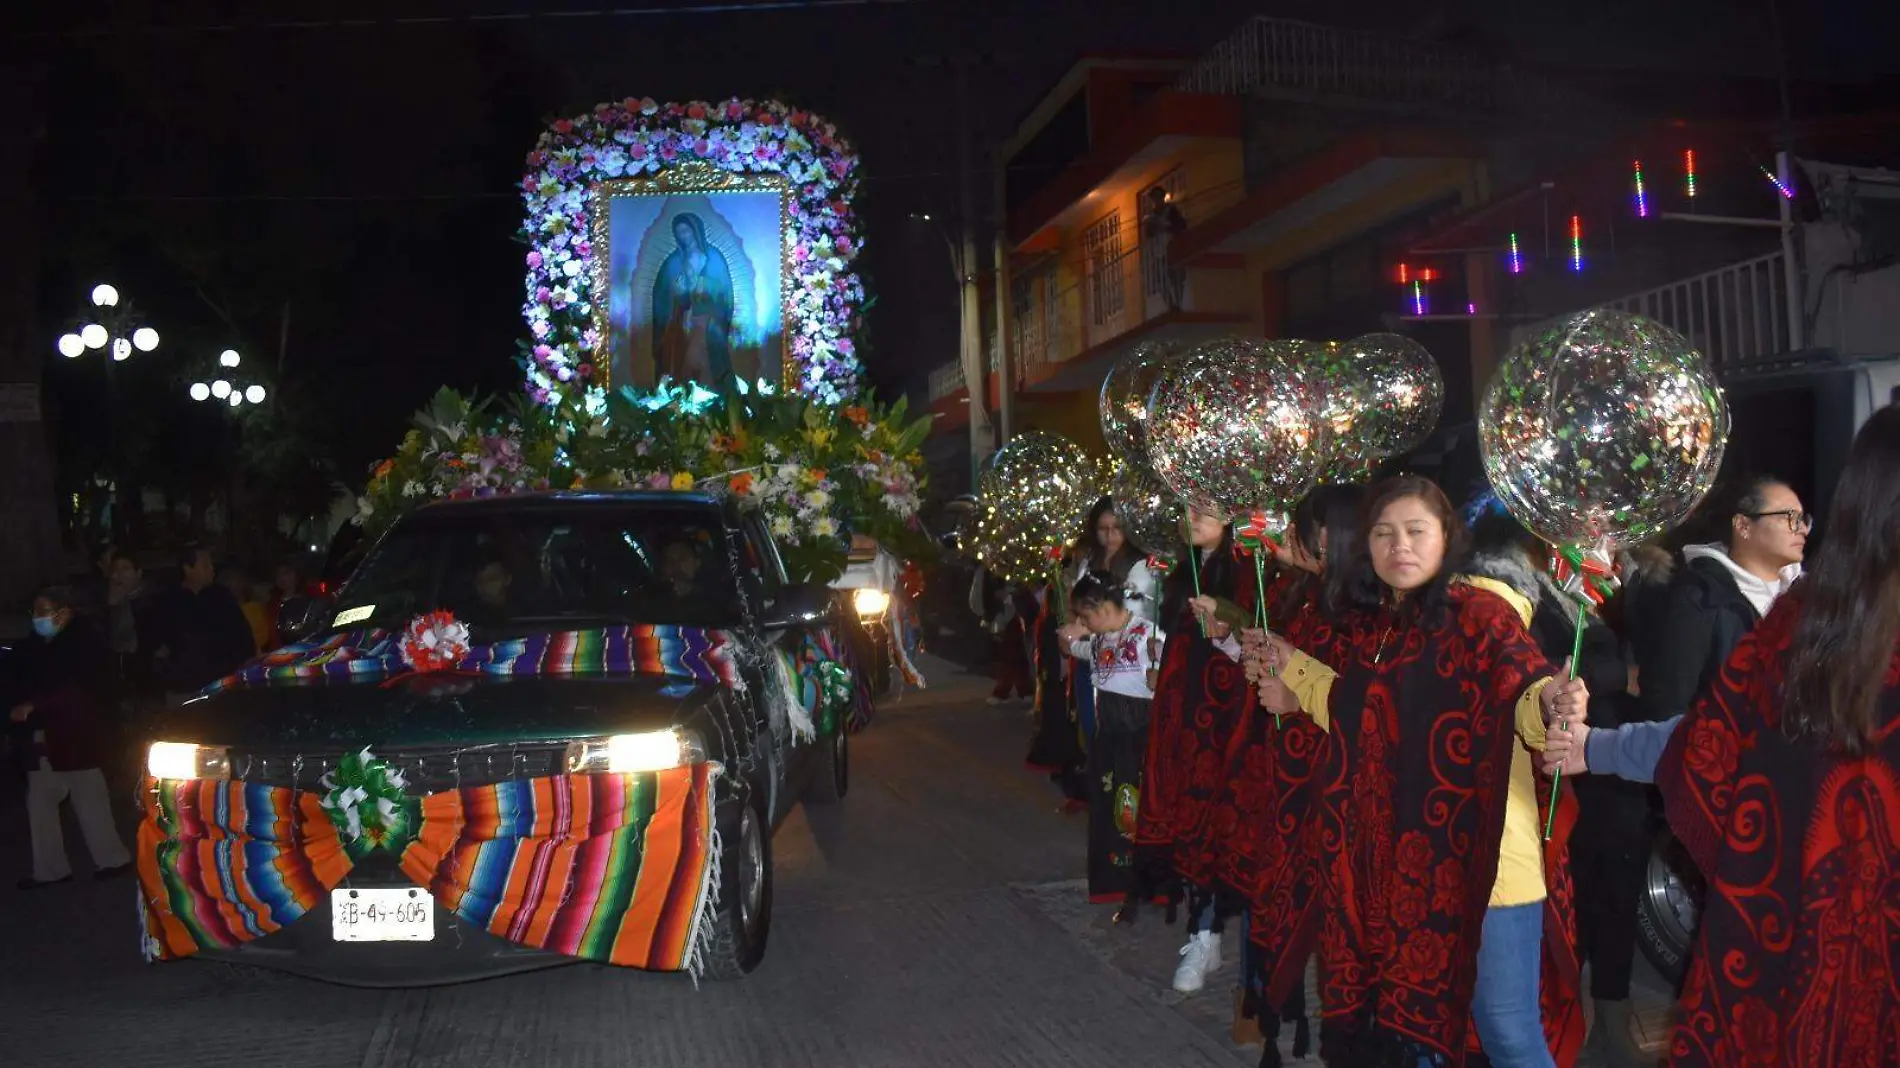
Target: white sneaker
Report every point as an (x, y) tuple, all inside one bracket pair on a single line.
[(1199, 958)]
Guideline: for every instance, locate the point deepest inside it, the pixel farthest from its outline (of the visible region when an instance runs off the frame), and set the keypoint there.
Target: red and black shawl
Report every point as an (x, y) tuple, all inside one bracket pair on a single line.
[(1797, 960), (1410, 815), (1269, 805), (1197, 719)]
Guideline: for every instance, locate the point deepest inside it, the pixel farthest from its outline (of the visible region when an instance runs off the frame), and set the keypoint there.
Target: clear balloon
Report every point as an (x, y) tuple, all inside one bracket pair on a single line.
[(1606, 426), (1036, 494), (1149, 511), (1402, 393), (1233, 427), (1124, 399)]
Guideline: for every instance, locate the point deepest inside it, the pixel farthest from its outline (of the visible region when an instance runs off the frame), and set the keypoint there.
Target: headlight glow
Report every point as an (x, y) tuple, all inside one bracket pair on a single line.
[(645, 751), (870, 602), (187, 760)]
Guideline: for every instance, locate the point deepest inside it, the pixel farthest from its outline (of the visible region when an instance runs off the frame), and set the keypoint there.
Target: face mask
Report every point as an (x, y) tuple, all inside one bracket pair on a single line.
[(45, 626)]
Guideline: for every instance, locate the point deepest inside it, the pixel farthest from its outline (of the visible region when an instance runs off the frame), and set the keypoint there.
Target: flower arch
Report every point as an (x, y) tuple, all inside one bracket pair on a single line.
[(639, 137)]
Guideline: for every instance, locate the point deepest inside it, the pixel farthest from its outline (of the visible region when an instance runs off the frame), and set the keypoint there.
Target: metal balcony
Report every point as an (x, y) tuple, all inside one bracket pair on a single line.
[(1299, 60), (1736, 316)]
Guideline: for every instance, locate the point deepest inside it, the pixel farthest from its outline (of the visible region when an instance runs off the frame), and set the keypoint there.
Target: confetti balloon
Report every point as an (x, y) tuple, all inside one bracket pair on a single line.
[(1232, 426), (1124, 399), (1036, 495), (1402, 392), (1150, 513), (1606, 427), (1349, 392)]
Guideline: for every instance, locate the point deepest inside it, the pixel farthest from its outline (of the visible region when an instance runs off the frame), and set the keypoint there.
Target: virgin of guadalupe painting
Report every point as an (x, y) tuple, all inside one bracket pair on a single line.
[(693, 278), (692, 307)]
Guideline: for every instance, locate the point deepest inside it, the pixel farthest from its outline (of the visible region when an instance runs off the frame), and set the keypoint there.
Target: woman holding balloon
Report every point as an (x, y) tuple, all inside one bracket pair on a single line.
[(1199, 700), (1268, 863), (1439, 889)]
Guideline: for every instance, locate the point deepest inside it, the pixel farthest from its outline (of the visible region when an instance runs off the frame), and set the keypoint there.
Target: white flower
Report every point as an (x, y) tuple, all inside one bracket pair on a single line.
[(412, 488), (781, 526), (825, 527), (818, 499), (572, 268)]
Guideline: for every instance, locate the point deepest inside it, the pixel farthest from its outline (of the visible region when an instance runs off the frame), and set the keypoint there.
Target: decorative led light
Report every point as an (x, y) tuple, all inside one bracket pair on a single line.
[(1688, 172), (1576, 242), (200, 391), (236, 398), (105, 296), (254, 394), (71, 346), (1418, 297), (228, 358), (1779, 184), (1517, 257), (121, 349), (94, 336), (1642, 201), (145, 339), (221, 389)]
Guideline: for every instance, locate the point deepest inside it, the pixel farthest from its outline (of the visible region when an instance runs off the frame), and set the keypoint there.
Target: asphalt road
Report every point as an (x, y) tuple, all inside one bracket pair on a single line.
[(932, 919), (935, 918)]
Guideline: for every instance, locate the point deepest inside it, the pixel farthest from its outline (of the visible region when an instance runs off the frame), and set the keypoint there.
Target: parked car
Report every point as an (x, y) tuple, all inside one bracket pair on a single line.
[(521, 573)]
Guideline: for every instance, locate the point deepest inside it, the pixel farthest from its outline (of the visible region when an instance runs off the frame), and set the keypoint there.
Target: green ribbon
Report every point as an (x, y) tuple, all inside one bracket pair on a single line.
[(369, 803)]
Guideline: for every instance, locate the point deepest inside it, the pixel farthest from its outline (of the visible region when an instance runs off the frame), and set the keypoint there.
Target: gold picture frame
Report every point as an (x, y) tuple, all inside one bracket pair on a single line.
[(615, 310)]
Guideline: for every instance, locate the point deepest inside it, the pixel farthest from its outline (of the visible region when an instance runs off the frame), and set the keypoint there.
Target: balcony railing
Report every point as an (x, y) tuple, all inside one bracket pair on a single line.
[(1054, 323), (1280, 57), (1736, 316)]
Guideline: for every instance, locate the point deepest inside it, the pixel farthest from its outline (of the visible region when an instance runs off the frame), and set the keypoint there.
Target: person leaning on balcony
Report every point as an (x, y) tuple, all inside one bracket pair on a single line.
[(1161, 223)]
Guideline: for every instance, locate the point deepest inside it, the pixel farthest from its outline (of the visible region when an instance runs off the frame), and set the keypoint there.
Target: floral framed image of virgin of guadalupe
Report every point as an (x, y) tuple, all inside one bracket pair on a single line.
[(691, 262)]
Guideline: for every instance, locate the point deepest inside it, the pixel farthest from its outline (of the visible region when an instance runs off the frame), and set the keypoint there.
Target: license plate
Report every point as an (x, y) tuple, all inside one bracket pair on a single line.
[(381, 914)]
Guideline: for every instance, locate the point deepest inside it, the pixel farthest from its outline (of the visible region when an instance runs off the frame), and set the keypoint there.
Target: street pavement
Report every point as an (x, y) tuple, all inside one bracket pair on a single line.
[(936, 918)]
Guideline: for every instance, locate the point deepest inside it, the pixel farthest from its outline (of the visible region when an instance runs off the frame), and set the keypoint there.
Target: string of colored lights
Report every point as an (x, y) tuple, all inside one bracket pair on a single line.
[(1418, 297), (1642, 201), (1576, 242), (1517, 256), (1688, 172)]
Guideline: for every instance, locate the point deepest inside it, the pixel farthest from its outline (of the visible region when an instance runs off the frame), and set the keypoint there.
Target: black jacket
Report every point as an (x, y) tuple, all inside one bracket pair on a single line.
[(66, 679), (1554, 625), (1705, 619), (205, 635)]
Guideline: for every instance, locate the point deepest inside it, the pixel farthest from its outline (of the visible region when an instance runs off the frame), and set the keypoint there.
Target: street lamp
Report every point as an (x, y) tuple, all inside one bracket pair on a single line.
[(113, 328), (226, 391)]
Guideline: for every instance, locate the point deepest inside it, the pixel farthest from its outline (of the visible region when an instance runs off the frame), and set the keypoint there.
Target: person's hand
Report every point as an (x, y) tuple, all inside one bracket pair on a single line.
[(1073, 632), (21, 711), (1276, 697), (1564, 749), (1565, 697), (1203, 607)]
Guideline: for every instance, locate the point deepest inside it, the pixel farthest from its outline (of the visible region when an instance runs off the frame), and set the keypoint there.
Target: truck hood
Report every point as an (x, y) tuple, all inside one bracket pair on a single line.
[(436, 711)]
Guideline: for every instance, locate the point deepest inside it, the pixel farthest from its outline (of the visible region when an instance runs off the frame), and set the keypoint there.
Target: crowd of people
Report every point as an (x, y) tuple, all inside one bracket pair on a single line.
[(103, 657), (1426, 769)]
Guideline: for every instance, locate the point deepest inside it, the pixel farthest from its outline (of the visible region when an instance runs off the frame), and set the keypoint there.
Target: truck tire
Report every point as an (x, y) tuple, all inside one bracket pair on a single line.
[(1670, 906), (831, 777), (743, 922)]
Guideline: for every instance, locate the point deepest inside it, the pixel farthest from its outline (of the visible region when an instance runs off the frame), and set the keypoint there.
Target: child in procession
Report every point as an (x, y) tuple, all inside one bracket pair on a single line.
[(1118, 646)]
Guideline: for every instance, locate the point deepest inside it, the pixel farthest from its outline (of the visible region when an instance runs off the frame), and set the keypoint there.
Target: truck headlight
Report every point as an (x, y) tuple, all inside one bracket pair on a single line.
[(618, 754), (187, 760), (870, 602)]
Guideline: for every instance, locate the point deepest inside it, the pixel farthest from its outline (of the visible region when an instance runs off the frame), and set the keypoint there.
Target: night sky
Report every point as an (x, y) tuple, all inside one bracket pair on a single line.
[(365, 174)]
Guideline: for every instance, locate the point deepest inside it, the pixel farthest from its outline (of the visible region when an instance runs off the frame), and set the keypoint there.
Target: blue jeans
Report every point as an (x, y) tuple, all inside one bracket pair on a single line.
[(1504, 1005)]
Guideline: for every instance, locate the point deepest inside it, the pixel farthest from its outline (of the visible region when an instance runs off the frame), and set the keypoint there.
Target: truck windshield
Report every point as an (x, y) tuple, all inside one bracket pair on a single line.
[(520, 571)]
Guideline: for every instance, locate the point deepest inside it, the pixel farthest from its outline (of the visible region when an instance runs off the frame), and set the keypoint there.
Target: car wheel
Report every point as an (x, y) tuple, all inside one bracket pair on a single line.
[(1670, 906), (744, 919), (831, 779)]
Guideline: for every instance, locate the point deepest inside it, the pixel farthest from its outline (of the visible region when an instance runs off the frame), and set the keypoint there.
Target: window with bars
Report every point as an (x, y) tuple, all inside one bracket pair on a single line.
[(1101, 257)]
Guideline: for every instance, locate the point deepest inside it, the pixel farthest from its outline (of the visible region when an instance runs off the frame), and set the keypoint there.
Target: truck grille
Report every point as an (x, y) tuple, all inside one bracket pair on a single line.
[(426, 769)]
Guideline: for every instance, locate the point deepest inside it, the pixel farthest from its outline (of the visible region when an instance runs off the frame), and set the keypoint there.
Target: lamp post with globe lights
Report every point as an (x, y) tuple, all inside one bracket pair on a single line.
[(223, 390), (112, 325)]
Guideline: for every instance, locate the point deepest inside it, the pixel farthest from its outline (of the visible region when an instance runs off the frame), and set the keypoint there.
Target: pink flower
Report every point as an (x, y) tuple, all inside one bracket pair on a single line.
[(734, 112), (659, 481), (543, 353), (667, 152), (636, 151), (563, 126), (702, 147), (583, 248), (587, 370), (534, 258), (543, 295)]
